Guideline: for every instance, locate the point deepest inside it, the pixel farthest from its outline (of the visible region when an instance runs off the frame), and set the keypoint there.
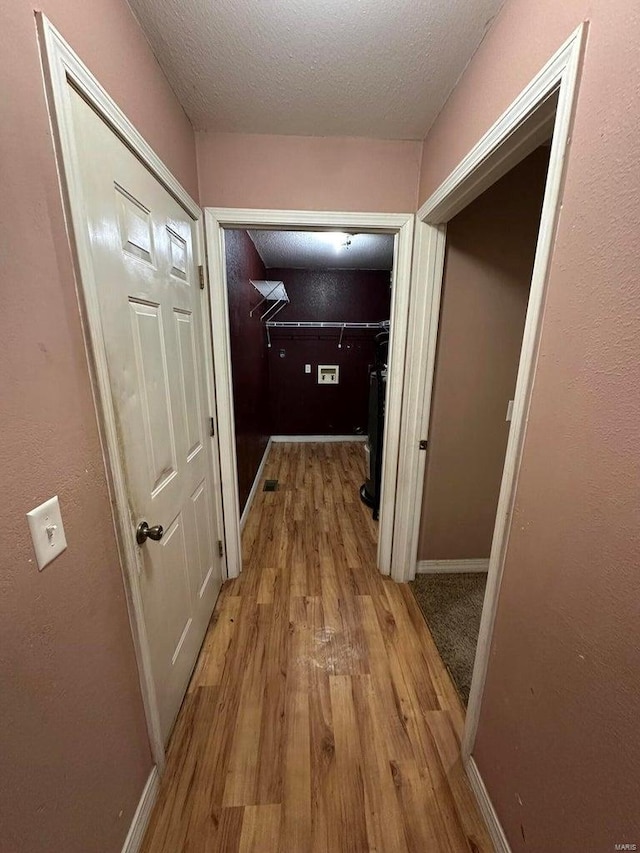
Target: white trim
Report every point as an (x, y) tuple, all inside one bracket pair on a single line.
[(62, 70), (254, 486), (211, 395), (219, 312), (62, 65), (428, 265), (519, 131), (278, 439), (436, 567), (216, 220), (308, 220), (486, 808), (552, 91), (140, 821)]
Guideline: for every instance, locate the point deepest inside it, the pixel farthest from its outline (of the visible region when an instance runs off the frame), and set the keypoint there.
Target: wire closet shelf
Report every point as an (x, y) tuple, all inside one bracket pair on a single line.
[(382, 325), (276, 292)]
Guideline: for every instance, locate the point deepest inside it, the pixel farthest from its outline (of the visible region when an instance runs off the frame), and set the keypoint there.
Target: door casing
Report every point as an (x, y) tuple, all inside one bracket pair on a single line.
[(399, 224), (544, 108), (63, 69)]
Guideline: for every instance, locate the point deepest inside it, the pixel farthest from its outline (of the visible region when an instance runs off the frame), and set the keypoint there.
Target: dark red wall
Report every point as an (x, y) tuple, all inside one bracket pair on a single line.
[(250, 367), (299, 406), (359, 296)]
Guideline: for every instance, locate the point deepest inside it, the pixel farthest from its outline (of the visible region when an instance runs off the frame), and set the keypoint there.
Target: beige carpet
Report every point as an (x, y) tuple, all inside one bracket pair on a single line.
[(452, 606)]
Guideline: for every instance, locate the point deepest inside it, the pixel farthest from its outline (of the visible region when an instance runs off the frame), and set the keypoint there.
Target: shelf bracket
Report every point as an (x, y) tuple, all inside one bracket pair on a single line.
[(270, 309), (284, 305), (264, 298)]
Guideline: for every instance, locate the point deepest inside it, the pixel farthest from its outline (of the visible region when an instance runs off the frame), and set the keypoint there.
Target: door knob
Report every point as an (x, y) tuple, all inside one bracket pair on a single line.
[(144, 532)]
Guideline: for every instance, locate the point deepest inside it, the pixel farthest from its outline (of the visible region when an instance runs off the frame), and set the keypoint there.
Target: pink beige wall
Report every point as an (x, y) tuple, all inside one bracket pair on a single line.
[(490, 251), (558, 743), (74, 753), (307, 172)]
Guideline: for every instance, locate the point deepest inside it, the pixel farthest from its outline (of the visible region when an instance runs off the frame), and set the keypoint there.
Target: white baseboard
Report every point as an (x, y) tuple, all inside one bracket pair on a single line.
[(432, 567), (317, 438), (254, 487), (486, 808), (133, 841)]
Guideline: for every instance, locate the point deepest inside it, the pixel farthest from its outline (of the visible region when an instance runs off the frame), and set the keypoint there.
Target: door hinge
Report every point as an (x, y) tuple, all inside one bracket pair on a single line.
[(212, 426), (423, 444), (220, 548), (201, 276)]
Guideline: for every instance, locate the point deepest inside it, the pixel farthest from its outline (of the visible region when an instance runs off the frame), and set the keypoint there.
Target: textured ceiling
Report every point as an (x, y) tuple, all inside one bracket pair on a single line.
[(376, 68), (312, 250)]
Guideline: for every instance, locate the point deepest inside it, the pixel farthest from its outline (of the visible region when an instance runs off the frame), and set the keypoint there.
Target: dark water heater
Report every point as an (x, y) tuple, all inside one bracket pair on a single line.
[(370, 489)]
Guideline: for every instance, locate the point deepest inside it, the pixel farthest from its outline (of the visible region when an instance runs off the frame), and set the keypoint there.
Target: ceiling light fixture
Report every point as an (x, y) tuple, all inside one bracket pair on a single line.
[(338, 239)]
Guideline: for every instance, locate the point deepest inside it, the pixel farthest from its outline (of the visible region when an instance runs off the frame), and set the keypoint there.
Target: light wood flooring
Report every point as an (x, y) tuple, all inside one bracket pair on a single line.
[(320, 717)]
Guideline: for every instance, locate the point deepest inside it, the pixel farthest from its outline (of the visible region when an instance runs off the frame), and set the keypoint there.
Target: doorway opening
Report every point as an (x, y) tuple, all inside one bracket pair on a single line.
[(309, 316), (542, 111), (490, 253), (149, 351)]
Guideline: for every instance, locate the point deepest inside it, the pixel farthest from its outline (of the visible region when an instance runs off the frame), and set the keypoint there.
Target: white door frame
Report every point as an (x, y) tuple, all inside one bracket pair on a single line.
[(62, 68), (545, 106), (400, 224)]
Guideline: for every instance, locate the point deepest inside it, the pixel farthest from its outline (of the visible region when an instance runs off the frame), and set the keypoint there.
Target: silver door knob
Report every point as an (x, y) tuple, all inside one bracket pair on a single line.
[(144, 532)]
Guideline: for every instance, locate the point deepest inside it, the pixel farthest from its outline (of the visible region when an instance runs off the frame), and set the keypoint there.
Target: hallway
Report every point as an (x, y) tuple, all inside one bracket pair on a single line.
[(319, 717)]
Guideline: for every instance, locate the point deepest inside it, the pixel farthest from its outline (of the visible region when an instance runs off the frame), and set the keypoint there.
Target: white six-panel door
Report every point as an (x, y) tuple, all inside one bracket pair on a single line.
[(142, 246)]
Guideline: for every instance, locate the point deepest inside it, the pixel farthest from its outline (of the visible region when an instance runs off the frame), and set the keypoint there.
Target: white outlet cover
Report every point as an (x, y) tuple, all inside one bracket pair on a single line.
[(47, 532), (307, 368)]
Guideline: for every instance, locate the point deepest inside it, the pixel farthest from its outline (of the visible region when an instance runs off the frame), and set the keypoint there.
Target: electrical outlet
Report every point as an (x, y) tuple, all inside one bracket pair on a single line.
[(47, 532), (307, 368)]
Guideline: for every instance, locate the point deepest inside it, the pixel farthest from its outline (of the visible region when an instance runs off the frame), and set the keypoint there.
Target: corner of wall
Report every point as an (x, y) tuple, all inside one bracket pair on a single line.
[(419, 176)]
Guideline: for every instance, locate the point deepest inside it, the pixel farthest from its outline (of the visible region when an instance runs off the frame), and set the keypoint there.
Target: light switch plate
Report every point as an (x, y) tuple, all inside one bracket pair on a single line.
[(509, 410), (47, 532), (307, 368)]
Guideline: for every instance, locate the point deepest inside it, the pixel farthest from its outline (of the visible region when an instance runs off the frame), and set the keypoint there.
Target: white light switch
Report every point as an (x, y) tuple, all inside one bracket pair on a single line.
[(47, 532), (307, 368), (509, 410)]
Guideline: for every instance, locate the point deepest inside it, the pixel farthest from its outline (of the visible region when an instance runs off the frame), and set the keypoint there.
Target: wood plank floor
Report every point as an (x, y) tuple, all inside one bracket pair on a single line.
[(320, 717)]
